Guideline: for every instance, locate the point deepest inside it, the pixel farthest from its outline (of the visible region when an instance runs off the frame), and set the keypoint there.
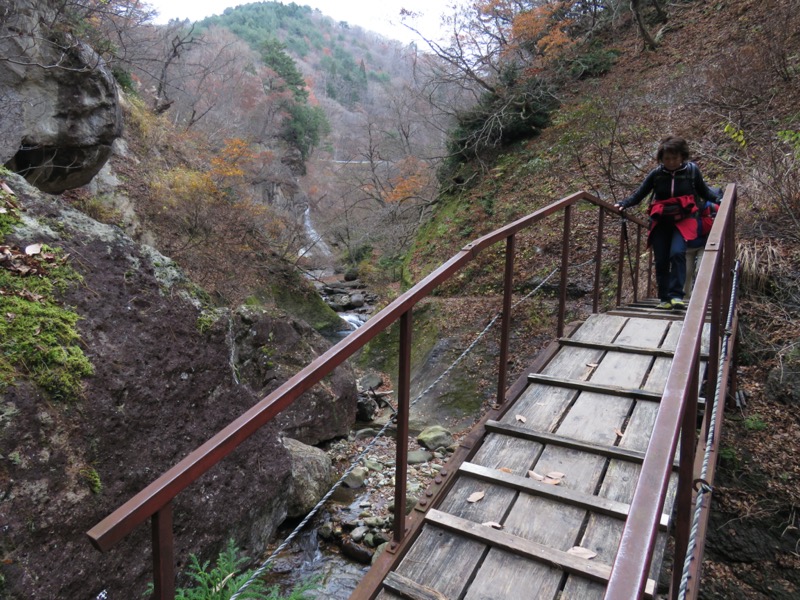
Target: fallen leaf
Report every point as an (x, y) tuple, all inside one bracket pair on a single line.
[(593, 365), (492, 524), (581, 552), (551, 481), (476, 497), (505, 470), (3, 210), (521, 419), (556, 475), (618, 432), (535, 475), (33, 249)]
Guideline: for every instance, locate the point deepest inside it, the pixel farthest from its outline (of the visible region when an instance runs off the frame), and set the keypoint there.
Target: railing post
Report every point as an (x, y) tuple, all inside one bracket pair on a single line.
[(403, 406), (621, 259), (562, 301), (598, 259), (163, 554), (637, 263), (505, 323), (685, 493)]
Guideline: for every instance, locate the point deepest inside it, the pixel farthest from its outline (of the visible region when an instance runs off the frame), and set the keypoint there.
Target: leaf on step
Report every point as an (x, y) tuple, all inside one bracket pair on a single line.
[(581, 552), (505, 470), (593, 365), (521, 418), (492, 524), (476, 497), (535, 475), (556, 475), (618, 432)]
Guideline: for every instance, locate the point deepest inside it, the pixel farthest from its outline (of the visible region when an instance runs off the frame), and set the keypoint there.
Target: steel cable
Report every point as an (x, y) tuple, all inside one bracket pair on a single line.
[(704, 491), (265, 565)]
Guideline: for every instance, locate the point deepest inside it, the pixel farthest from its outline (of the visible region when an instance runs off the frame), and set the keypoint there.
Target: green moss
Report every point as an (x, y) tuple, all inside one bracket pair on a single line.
[(92, 479), (304, 303), (381, 352), (38, 335)]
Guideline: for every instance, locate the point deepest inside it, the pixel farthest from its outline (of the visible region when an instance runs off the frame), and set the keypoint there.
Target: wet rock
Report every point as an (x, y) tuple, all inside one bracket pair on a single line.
[(378, 551), (358, 533), (356, 478), (374, 539), (435, 437), (364, 434), (325, 531), (373, 465), (357, 552), (416, 457), (366, 408)]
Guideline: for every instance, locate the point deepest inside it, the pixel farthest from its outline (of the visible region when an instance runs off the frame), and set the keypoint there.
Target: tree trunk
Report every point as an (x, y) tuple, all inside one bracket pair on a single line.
[(636, 9)]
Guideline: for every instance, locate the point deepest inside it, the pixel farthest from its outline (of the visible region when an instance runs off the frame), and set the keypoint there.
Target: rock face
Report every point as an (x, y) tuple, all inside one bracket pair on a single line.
[(162, 386), (59, 110)]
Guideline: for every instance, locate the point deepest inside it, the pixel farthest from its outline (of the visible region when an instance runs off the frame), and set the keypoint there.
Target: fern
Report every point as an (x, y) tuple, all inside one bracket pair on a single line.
[(221, 581)]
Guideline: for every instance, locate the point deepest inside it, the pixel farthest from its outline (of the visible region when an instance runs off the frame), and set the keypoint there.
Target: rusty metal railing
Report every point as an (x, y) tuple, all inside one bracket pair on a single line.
[(155, 501), (677, 420)]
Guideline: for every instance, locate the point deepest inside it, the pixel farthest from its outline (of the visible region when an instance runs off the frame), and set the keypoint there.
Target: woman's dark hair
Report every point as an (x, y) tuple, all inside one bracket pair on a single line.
[(673, 145)]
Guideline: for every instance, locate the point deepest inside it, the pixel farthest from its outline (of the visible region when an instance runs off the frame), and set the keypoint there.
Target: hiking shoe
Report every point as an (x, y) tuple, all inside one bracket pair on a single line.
[(666, 305), (677, 303)]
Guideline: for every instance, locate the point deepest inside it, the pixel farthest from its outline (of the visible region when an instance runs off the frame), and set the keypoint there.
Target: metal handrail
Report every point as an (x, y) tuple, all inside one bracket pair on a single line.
[(155, 501), (677, 419)]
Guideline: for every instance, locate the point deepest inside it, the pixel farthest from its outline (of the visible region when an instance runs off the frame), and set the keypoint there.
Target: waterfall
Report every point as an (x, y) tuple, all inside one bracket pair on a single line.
[(316, 245)]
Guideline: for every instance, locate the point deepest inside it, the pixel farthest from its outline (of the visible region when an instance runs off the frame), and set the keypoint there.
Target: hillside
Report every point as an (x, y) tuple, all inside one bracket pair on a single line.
[(724, 76)]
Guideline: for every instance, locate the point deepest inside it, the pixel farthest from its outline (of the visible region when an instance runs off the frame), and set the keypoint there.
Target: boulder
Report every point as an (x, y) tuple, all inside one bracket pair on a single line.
[(61, 111), (435, 437), (311, 476)]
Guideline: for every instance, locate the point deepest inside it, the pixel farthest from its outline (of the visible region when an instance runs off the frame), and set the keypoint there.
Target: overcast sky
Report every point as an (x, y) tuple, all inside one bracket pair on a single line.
[(381, 16)]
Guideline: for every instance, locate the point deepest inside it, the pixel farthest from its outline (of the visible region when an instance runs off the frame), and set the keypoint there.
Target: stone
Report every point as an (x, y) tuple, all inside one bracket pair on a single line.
[(356, 478), (435, 437), (370, 381), (378, 551), (366, 408), (311, 477), (416, 457), (358, 533), (59, 122)]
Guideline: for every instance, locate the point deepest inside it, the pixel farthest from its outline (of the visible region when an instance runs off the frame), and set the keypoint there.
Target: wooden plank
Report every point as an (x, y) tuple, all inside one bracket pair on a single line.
[(551, 523), (593, 387), (590, 502), (650, 351), (441, 561), (409, 589), (544, 407), (594, 570), (603, 533), (549, 438)]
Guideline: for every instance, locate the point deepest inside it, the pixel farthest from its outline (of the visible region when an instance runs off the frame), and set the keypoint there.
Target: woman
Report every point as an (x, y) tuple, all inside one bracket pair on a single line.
[(677, 187)]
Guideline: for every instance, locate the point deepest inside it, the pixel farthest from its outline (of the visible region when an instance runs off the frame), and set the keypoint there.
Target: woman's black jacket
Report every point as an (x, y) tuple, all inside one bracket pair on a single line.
[(684, 181)]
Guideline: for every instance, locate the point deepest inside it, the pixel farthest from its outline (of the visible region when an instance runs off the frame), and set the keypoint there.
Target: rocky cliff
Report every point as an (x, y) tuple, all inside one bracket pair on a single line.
[(59, 112), (167, 375)]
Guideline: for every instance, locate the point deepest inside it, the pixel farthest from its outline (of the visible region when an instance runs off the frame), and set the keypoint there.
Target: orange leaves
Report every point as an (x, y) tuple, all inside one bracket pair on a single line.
[(231, 159), (544, 27), (540, 28), (410, 182)]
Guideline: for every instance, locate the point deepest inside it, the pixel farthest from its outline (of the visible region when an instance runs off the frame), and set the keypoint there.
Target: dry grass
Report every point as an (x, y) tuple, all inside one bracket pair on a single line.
[(761, 265)]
